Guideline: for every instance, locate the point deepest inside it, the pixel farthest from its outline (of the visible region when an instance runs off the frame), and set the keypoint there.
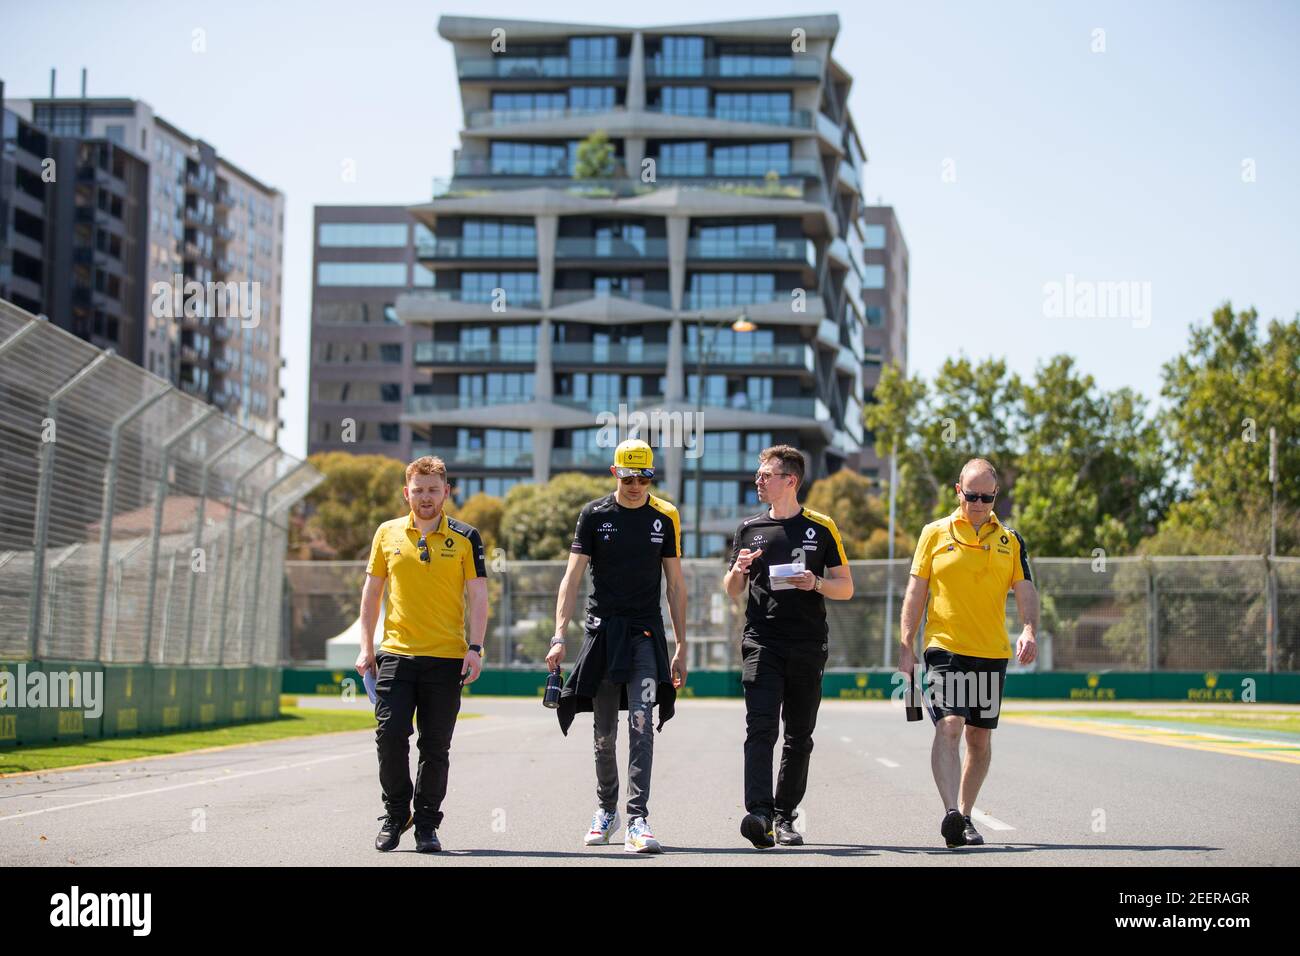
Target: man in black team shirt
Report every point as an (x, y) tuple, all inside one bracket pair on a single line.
[(784, 647), (632, 539)]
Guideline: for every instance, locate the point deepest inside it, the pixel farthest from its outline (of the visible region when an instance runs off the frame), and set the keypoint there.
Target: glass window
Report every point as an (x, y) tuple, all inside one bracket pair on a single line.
[(683, 159), (385, 235), (685, 100), (873, 277), (754, 107), (681, 56), (873, 237), (752, 159), (591, 98), (361, 274)]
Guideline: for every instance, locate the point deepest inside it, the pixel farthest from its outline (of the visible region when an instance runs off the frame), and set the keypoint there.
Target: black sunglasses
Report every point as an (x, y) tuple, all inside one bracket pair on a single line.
[(424, 548), (972, 496)]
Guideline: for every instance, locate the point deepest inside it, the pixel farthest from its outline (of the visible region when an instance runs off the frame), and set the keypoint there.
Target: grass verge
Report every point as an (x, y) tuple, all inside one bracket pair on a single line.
[(293, 722)]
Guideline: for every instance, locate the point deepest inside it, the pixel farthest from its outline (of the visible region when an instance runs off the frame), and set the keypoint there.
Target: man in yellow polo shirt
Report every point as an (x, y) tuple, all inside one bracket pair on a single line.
[(429, 560), (965, 564)]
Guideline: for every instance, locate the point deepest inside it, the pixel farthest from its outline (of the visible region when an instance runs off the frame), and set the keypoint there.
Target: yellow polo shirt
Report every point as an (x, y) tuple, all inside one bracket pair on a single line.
[(425, 613), (969, 578)]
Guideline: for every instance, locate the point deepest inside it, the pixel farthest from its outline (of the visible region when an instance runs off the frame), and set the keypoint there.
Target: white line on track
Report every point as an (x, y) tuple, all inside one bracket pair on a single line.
[(886, 761), (227, 776), (993, 823), (847, 740)]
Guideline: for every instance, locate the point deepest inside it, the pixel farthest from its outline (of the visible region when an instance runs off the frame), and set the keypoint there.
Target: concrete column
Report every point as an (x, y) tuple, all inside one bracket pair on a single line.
[(636, 73), (674, 460), (674, 373), (547, 229), (633, 153), (679, 229), (544, 371), (543, 440)]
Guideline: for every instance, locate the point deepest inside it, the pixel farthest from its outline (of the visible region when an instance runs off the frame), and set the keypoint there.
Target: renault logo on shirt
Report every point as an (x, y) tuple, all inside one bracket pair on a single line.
[(810, 534), (658, 525)]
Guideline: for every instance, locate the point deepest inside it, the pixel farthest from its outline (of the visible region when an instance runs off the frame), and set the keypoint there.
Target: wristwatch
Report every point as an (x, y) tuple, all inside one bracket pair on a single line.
[(557, 639), (477, 649), (817, 585)]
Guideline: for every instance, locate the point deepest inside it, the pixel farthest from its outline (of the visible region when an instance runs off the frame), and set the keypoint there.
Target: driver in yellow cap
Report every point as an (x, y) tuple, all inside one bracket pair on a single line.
[(632, 540)]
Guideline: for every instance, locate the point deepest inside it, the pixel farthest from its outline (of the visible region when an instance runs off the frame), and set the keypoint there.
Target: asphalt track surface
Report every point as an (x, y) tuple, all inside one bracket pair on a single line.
[(1061, 792)]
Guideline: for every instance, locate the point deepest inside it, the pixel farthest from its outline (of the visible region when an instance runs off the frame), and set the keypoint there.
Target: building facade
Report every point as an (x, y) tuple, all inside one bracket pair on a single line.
[(569, 282), (201, 219), (363, 367)]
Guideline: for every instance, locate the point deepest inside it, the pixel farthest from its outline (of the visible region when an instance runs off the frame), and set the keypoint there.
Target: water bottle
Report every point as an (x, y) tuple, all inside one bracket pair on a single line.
[(554, 684), (913, 700)]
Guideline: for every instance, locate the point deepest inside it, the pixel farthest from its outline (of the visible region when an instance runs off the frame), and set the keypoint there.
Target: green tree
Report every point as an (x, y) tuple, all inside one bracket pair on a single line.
[(970, 411), (859, 513), (1223, 393), (595, 157), (537, 521), (358, 494), (484, 512), (1092, 473)]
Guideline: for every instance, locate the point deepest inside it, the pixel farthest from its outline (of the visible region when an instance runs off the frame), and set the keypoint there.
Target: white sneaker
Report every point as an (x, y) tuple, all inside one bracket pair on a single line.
[(639, 839), (603, 826)]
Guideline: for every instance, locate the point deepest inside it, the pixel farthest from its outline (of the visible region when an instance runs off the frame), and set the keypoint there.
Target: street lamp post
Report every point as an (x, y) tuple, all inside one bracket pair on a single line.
[(741, 324)]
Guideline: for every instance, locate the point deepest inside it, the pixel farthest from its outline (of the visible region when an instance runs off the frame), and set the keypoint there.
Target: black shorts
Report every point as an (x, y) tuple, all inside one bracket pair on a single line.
[(967, 687)]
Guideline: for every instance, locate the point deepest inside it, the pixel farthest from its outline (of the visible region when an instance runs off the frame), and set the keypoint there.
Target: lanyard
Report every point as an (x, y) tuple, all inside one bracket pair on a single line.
[(987, 549)]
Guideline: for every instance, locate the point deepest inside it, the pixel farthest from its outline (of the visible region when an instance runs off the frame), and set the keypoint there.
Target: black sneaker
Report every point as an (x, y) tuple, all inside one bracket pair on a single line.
[(426, 839), (971, 835), (391, 832), (787, 835), (952, 828), (758, 831)]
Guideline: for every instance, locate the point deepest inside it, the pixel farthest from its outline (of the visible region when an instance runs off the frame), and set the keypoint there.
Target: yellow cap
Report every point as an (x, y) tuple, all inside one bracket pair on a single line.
[(634, 457)]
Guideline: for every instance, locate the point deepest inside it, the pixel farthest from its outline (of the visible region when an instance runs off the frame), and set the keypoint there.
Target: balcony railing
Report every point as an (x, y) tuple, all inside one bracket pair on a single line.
[(562, 458), (724, 168), (534, 67), (656, 297), (741, 402), (454, 353), (695, 299), (607, 403), (424, 404), (481, 119), (729, 460), (512, 248), (460, 187), (778, 250), (609, 248), (513, 299), (736, 67), (783, 356), (797, 119), (477, 457), (595, 353)]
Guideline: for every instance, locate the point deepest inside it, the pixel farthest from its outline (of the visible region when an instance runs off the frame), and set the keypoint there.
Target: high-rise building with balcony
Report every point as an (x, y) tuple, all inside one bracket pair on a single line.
[(203, 219), (566, 284)]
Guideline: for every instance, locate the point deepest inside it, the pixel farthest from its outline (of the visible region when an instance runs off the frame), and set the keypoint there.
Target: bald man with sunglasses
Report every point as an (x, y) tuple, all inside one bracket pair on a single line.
[(965, 563)]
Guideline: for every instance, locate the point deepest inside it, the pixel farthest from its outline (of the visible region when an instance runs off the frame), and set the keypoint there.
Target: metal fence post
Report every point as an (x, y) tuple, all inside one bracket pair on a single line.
[(106, 511), (230, 552), (1270, 649), (160, 497), (45, 481), (198, 534), (261, 543), (1153, 616)]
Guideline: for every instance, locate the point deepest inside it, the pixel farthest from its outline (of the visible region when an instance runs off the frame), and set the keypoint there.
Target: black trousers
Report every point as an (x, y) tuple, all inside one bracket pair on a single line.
[(782, 680), (427, 688)]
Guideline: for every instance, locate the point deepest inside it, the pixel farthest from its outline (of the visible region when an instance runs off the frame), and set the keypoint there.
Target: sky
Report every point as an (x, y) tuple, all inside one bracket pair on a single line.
[(1033, 151)]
